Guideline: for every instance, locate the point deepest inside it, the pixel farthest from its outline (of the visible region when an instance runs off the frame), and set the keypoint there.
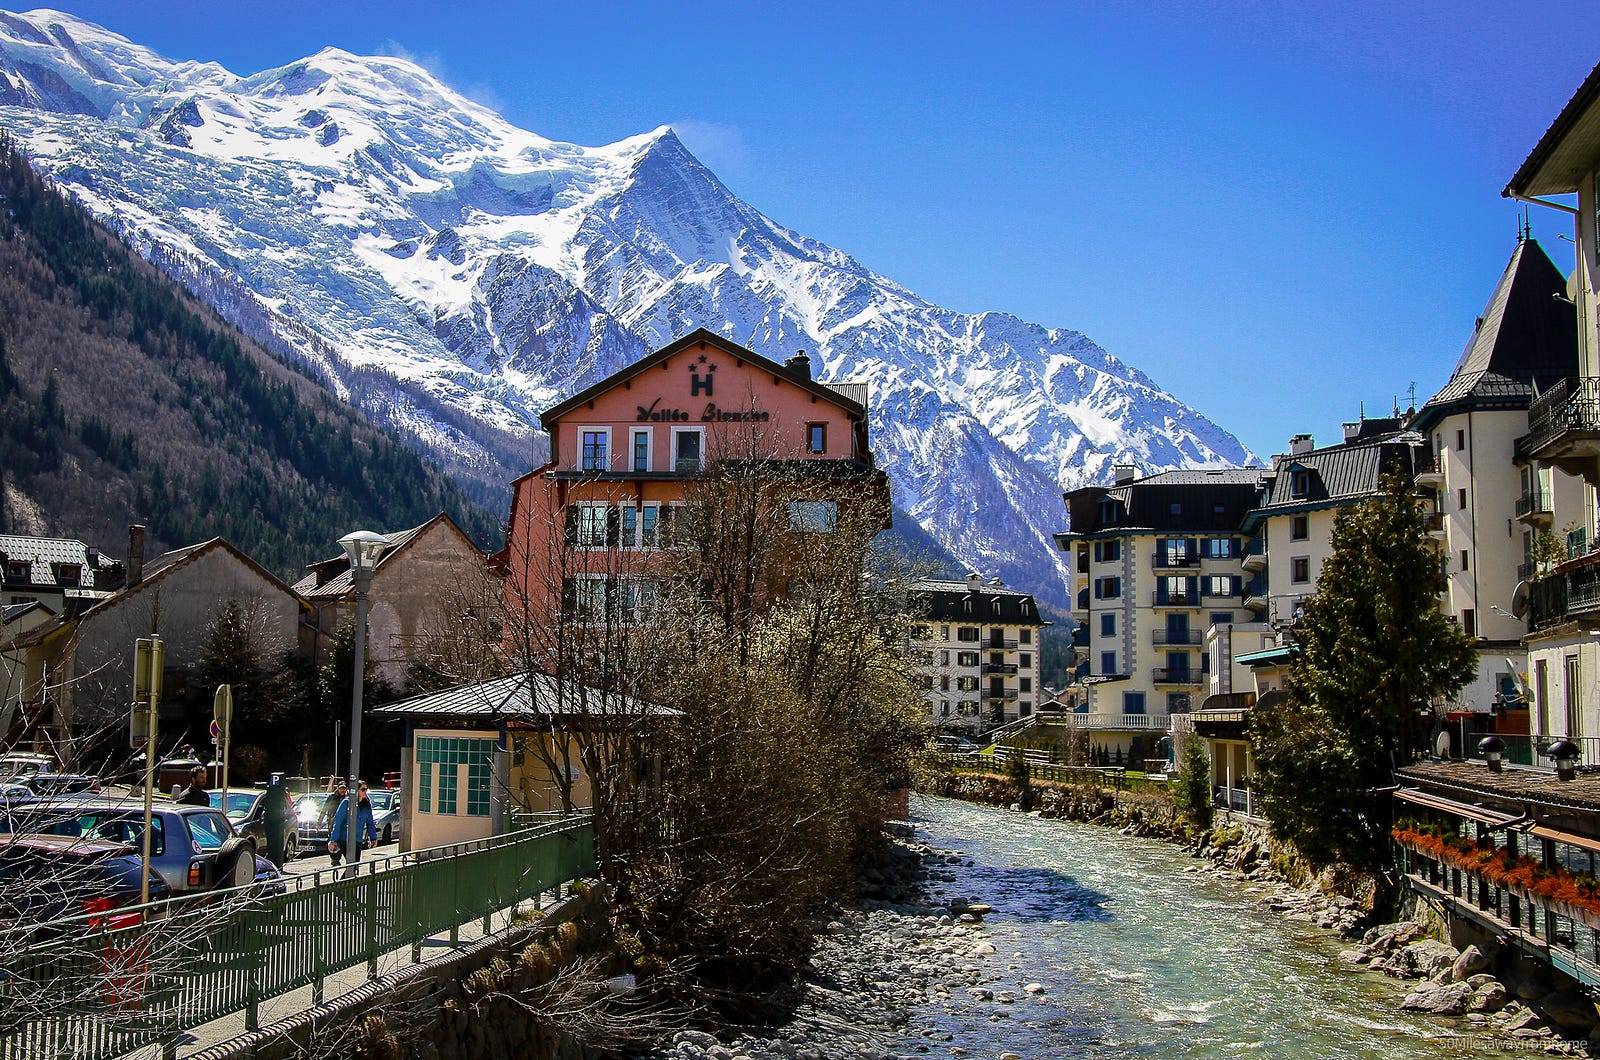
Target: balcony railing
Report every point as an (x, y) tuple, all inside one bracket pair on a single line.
[(1009, 669), (1176, 675), (1176, 637), (1570, 405), (1168, 561), (1562, 595), (1433, 522), (1005, 695), (1525, 572), (1429, 472), (1164, 598), (1536, 502), (1124, 722), (1002, 644)]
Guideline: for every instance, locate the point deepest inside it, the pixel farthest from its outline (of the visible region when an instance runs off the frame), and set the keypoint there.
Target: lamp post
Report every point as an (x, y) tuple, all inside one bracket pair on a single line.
[(363, 547)]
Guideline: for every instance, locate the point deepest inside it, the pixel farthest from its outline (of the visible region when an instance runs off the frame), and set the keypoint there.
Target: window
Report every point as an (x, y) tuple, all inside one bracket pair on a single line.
[(1469, 622), (1461, 499), (1133, 702), (1219, 548), (1025, 636), (1464, 555), (1300, 484), (449, 754), (630, 526), (1178, 702), (1108, 625), (944, 682), (1300, 569), (596, 446), (641, 449), (68, 574), (1105, 551), (1177, 507), (1221, 618), (967, 658), (924, 682), (1461, 440), (817, 437), (592, 525), (1025, 660), (1219, 585), (19, 570), (967, 684), (1025, 684), (587, 596), (1108, 662), (1299, 527), (813, 517), (1108, 512), (944, 657), (968, 633), (1107, 588), (688, 448), (648, 517)]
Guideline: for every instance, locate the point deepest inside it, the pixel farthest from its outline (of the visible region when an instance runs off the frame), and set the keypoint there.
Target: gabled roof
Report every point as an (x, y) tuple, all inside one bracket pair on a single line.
[(1526, 339), (330, 578), (162, 567), (1567, 150), (44, 553), (520, 696), (728, 346)]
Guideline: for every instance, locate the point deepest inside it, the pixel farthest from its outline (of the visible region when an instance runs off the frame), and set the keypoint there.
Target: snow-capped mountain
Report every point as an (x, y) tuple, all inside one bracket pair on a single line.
[(456, 274)]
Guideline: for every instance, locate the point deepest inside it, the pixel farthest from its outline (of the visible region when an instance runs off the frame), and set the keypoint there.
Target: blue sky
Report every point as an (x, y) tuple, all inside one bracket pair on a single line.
[(1279, 211)]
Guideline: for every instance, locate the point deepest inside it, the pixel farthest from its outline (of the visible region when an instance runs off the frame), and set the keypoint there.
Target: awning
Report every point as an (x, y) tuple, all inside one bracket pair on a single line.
[(1460, 809), (1582, 841)]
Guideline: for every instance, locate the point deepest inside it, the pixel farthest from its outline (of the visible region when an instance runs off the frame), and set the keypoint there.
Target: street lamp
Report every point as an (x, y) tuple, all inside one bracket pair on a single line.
[(363, 547)]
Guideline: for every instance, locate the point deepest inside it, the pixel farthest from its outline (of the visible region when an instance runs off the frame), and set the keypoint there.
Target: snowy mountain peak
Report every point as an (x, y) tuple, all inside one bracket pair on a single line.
[(456, 274)]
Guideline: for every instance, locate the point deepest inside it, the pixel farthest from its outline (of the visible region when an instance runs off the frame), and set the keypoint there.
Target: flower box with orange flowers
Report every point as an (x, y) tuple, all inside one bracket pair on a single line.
[(1522, 876)]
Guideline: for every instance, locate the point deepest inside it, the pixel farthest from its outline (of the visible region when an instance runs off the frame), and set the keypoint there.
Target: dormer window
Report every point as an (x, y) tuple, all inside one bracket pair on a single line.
[(69, 575), (19, 570), (1108, 512), (1300, 484)]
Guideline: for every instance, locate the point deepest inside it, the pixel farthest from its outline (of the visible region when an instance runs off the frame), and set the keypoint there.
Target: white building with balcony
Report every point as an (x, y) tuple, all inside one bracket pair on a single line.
[(975, 644)]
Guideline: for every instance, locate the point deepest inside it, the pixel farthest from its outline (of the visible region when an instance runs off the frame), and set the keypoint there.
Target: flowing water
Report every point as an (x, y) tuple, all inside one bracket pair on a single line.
[(1142, 959)]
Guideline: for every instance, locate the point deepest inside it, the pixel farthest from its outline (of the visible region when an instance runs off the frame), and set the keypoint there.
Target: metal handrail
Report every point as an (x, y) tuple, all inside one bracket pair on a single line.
[(258, 946)]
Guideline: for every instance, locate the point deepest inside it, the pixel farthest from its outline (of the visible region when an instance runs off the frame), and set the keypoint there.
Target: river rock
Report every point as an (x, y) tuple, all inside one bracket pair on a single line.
[(1440, 999), (1470, 963), (1489, 997), (1571, 1010), (983, 949), (1420, 960)]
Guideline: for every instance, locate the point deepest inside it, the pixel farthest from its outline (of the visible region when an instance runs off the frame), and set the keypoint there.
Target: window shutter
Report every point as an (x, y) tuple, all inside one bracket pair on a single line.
[(572, 524)]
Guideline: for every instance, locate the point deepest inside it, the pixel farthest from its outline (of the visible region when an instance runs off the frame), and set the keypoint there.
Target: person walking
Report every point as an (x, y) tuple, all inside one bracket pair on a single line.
[(366, 828), (195, 794)]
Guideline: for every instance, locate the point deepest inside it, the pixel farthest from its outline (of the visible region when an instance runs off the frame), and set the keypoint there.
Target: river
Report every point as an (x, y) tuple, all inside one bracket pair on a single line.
[(1140, 958)]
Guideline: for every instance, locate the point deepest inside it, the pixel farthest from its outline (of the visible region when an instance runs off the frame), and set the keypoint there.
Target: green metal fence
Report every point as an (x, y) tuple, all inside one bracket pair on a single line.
[(100, 991)]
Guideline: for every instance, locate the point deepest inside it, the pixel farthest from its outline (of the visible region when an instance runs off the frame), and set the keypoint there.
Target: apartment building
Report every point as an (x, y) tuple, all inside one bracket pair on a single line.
[(976, 647), (1560, 598), (587, 528), (1156, 561)]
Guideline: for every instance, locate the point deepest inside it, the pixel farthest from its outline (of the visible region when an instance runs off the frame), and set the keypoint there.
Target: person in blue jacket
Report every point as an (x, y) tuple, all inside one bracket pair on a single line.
[(366, 829)]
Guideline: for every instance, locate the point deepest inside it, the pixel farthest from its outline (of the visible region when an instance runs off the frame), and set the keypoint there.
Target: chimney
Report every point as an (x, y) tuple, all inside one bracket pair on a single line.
[(799, 365), (1301, 444), (997, 583), (1124, 473), (1352, 431), (135, 555), (974, 579)]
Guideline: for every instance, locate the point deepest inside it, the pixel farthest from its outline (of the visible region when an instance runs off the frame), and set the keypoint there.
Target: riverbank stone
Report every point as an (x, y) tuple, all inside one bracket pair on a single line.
[(1439, 999)]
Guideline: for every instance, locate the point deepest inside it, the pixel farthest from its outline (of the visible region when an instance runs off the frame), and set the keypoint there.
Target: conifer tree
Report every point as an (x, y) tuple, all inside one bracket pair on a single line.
[(1373, 652)]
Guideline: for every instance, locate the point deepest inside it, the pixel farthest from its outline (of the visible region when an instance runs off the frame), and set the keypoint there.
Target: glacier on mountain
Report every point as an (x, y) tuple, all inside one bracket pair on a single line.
[(455, 274)]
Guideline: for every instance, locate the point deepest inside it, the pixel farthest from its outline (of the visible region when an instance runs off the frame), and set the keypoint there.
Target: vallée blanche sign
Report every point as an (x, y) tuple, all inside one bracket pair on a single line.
[(654, 413)]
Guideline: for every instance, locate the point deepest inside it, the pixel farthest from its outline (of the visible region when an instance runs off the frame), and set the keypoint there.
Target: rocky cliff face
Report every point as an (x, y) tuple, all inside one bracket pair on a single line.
[(455, 274)]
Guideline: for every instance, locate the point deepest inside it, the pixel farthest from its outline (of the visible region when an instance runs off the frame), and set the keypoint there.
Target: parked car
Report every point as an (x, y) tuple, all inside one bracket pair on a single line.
[(48, 785), (49, 877), (19, 765), (386, 816), (193, 848), (247, 811), (954, 745)]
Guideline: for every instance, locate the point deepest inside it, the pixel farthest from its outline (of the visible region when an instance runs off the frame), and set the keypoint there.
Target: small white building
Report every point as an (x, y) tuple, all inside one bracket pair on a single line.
[(975, 645)]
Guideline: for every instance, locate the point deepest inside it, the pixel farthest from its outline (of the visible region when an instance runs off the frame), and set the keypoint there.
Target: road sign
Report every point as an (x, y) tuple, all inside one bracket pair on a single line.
[(216, 730)]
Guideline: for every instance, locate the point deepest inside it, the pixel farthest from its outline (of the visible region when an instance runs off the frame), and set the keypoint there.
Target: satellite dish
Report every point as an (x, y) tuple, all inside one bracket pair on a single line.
[(1519, 599)]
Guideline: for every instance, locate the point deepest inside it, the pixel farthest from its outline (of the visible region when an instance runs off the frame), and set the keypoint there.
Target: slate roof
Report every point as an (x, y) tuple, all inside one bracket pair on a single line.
[(339, 585), (1526, 339), (946, 601), (1566, 151), (1338, 474), (44, 552), (524, 696), (1207, 501)]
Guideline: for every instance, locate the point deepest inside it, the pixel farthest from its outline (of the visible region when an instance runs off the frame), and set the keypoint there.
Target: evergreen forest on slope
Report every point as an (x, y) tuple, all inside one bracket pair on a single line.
[(125, 400)]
